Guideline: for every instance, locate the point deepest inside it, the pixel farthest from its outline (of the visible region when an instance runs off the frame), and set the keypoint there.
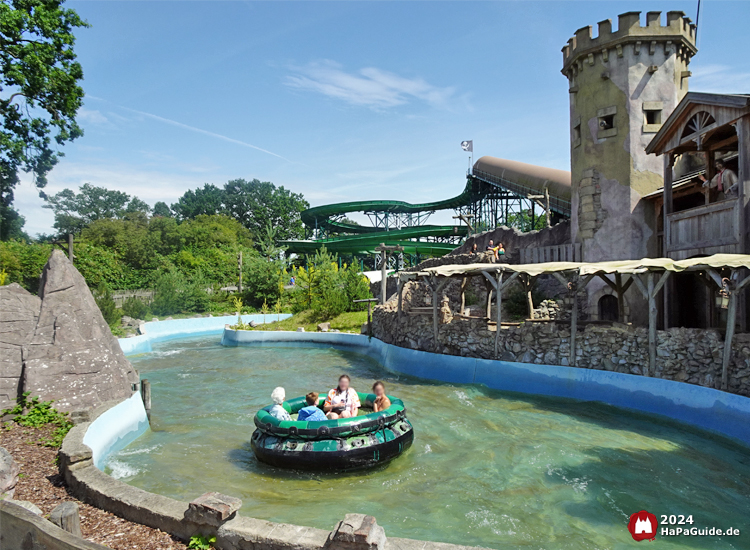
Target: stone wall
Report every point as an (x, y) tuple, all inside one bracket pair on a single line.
[(513, 239), (686, 355)]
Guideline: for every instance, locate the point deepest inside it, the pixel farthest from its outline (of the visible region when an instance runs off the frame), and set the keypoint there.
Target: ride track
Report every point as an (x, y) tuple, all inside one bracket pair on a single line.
[(488, 175)]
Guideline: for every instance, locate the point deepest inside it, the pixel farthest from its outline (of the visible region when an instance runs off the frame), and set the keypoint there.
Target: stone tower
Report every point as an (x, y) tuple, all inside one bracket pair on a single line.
[(623, 86)]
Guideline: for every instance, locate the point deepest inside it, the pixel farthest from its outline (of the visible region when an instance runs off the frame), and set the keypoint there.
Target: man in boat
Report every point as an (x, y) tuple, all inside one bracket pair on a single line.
[(342, 401), (311, 413)]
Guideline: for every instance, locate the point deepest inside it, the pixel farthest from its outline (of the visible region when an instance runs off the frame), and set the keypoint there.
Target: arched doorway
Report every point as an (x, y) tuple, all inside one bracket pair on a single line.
[(608, 308)]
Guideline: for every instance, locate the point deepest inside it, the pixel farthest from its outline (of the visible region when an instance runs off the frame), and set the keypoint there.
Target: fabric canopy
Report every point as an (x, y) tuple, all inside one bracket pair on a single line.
[(717, 261)]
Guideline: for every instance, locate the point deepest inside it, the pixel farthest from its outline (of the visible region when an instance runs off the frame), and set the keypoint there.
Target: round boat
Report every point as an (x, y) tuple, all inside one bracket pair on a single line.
[(344, 444)]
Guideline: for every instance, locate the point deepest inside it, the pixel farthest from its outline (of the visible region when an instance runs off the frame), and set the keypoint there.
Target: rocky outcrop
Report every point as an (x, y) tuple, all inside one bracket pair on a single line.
[(19, 313), (61, 348), (73, 358), (9, 470)]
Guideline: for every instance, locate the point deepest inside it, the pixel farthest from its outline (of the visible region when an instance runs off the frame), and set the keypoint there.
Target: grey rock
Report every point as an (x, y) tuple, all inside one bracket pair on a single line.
[(324, 327), (19, 314), (212, 509), (300, 329), (65, 516), (9, 469), (73, 358), (253, 324), (528, 357), (357, 532), (507, 356), (154, 319)]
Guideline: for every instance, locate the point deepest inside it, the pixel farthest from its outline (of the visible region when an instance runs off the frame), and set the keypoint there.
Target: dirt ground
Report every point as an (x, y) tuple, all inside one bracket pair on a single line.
[(40, 483)]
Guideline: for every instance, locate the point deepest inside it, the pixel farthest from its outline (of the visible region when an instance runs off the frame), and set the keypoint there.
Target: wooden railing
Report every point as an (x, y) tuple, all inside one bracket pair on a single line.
[(705, 227), (557, 253)]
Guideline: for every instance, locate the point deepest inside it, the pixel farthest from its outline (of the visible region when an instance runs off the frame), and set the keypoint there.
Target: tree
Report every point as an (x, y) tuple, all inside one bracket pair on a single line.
[(256, 204), (40, 95), (209, 200), (11, 224), (161, 210), (74, 211), (522, 221)]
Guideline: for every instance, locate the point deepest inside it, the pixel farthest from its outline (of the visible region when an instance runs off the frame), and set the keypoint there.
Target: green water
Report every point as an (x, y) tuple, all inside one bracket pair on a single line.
[(486, 468)]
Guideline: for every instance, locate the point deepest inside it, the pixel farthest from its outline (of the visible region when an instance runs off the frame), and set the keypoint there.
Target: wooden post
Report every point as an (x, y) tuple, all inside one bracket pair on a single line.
[(620, 301), (239, 266), (464, 282), (434, 287), (383, 273), (651, 324), (65, 516), (728, 336), (573, 323), (369, 319), (488, 311), (146, 396), (499, 310), (70, 247), (667, 207), (400, 297)]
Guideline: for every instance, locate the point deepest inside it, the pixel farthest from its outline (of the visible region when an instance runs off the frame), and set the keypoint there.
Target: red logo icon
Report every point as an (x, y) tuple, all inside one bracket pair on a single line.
[(643, 526)]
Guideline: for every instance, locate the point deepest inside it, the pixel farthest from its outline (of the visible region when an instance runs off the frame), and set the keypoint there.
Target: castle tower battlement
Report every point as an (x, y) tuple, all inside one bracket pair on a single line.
[(583, 50)]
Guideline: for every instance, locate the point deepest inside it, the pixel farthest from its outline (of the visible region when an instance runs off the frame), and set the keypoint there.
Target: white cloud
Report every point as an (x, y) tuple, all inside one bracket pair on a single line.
[(91, 116), (369, 87), (719, 79), (148, 185)]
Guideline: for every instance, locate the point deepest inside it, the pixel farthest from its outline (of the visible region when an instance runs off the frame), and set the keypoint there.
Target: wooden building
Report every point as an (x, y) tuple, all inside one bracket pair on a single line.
[(696, 220)]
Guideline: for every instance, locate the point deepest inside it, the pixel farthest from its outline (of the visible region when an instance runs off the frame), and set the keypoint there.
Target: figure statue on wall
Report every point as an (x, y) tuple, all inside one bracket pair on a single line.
[(724, 182)]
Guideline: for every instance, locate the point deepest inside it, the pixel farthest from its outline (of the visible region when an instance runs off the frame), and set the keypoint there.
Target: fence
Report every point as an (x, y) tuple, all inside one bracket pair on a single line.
[(557, 253)]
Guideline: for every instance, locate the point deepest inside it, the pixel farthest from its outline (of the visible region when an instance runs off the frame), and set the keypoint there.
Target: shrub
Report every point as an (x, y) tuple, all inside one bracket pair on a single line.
[(107, 305), (35, 414), (135, 308), (174, 295)]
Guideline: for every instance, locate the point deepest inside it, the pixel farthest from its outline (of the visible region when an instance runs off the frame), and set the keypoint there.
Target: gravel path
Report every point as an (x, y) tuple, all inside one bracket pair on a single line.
[(40, 483)]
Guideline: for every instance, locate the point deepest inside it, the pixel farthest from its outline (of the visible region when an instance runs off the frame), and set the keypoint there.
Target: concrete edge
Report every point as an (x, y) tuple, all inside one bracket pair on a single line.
[(22, 528), (91, 485)]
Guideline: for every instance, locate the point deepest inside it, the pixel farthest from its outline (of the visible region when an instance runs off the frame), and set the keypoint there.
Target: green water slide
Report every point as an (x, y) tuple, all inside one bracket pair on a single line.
[(422, 240)]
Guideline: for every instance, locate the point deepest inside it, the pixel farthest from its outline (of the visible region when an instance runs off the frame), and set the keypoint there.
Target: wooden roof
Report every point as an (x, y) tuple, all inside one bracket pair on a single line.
[(720, 110)]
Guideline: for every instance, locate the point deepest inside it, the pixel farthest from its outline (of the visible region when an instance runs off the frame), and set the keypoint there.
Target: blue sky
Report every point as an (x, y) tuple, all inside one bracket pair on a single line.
[(337, 100)]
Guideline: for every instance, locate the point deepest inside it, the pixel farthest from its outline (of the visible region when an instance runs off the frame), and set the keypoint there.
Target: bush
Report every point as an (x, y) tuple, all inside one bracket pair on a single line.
[(107, 305), (135, 308), (35, 414), (174, 295)]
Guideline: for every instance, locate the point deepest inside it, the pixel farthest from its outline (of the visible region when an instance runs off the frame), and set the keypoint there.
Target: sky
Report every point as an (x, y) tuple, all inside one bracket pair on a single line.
[(337, 100)]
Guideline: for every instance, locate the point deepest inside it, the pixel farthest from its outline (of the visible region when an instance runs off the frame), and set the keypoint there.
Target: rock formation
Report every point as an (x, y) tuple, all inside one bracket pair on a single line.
[(19, 313), (72, 357)]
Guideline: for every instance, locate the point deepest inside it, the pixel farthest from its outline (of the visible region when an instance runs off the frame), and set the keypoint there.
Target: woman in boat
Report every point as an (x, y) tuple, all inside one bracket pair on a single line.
[(278, 396), (381, 402), (342, 401)]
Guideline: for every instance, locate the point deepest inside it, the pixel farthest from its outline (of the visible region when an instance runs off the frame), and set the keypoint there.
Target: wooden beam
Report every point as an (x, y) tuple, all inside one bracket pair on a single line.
[(728, 336), (401, 297), (668, 200), (464, 282), (499, 310), (573, 289)]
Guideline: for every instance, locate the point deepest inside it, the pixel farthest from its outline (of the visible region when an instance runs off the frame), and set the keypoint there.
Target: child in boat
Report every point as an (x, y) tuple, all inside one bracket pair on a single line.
[(311, 413), (381, 402), (277, 411), (342, 401)]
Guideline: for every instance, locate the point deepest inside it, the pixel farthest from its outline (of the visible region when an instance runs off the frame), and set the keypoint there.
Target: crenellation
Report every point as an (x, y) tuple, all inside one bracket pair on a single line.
[(678, 33)]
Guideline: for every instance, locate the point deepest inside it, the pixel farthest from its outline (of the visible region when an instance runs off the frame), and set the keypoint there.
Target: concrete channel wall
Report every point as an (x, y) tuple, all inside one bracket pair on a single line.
[(113, 425)]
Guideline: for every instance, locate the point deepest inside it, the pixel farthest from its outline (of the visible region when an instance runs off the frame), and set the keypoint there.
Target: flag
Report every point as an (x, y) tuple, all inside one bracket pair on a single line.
[(468, 146)]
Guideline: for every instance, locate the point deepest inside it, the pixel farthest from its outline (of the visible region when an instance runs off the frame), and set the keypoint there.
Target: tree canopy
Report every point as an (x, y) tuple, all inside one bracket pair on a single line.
[(74, 211), (255, 204), (39, 92)]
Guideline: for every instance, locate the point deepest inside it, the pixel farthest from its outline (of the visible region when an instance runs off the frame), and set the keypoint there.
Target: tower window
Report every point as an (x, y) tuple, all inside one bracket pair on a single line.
[(576, 137), (606, 122), (652, 116)]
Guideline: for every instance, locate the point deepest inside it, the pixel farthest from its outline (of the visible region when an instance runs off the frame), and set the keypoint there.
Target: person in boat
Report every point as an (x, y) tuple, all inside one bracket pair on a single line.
[(342, 401), (381, 402), (311, 413), (278, 396)]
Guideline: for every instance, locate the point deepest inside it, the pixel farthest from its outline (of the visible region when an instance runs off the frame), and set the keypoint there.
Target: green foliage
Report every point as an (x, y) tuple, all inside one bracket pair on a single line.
[(199, 542), (34, 413), (326, 289), (255, 204), (522, 221), (161, 209), (135, 308), (39, 75), (11, 222), (74, 211), (175, 294), (515, 301), (23, 262), (107, 305), (260, 281)]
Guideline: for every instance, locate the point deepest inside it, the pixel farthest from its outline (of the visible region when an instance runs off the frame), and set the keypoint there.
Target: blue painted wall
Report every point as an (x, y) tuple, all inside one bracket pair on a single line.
[(713, 410)]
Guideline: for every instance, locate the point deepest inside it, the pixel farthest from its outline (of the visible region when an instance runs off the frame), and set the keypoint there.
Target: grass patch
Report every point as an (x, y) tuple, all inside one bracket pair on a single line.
[(34, 413), (346, 322)]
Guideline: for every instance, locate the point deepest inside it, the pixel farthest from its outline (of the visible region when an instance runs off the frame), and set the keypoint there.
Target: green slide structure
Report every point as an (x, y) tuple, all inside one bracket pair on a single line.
[(489, 173)]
